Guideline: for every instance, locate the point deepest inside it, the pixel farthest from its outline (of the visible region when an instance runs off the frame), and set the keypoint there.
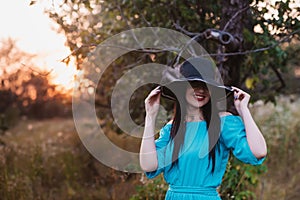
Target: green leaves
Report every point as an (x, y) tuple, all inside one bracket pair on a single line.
[(152, 189), (238, 180)]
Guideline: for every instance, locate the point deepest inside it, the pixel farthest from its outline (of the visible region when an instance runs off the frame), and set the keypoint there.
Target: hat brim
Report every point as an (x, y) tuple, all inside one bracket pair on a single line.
[(166, 89)]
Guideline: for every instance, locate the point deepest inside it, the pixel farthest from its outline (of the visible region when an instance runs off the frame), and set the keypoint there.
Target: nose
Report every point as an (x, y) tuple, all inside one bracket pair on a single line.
[(199, 90)]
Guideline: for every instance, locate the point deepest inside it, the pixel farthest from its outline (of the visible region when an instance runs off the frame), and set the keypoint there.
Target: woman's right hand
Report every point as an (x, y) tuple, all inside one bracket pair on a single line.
[(148, 154), (152, 102)]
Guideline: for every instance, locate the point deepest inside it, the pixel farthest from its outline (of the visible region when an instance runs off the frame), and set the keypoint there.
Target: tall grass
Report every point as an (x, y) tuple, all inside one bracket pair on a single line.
[(45, 160), (280, 124)]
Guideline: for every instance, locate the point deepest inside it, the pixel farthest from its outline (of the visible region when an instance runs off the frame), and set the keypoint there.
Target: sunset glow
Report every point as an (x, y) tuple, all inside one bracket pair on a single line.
[(36, 34), (60, 74)]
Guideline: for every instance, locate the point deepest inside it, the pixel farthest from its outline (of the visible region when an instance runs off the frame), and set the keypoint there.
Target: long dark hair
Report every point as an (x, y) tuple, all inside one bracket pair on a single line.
[(210, 114)]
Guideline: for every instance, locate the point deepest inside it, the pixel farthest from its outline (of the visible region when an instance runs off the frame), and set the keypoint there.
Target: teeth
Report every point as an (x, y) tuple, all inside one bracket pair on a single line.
[(199, 96)]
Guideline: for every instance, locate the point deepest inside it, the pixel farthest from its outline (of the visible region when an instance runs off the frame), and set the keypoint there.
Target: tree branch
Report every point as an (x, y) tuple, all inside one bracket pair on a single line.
[(141, 14), (222, 37), (128, 25), (195, 36), (234, 16), (45, 74), (284, 39), (183, 30), (279, 77)]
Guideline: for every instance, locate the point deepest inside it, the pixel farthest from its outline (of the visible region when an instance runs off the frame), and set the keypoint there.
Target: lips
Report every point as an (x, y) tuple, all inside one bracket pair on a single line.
[(199, 97)]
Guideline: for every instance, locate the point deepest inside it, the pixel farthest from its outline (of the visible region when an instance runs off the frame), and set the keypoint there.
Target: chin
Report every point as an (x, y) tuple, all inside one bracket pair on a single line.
[(199, 104)]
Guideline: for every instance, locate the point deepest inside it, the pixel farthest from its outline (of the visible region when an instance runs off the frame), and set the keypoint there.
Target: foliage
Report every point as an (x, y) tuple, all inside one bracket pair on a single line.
[(51, 163), (278, 177), (274, 23), (154, 189), (25, 91), (257, 66), (260, 60), (238, 183), (281, 125), (88, 23), (239, 179), (46, 160)]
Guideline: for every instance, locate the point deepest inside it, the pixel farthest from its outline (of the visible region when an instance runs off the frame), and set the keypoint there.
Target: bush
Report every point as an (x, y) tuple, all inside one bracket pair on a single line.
[(278, 177)]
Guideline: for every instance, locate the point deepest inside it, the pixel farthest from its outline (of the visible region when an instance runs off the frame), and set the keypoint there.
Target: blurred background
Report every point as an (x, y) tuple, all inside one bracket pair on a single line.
[(45, 44)]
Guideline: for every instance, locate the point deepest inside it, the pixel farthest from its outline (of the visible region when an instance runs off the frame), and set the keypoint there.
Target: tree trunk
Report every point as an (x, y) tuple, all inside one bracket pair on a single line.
[(235, 15)]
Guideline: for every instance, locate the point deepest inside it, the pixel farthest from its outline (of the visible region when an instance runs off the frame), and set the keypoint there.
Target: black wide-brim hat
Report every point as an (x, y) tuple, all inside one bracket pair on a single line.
[(193, 69)]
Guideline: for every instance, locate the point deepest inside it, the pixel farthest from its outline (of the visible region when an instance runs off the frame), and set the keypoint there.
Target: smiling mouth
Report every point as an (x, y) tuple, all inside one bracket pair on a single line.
[(199, 97)]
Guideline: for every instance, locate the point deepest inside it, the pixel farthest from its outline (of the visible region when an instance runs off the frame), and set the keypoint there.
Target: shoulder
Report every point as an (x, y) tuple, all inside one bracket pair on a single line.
[(164, 133), (170, 122), (165, 130), (229, 117), (224, 114), (232, 128), (230, 123)]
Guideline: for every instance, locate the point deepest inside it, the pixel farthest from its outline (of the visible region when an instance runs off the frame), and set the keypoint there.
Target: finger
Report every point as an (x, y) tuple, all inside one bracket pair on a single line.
[(157, 88), (239, 95), (153, 98), (154, 92), (236, 93), (154, 101), (236, 89)]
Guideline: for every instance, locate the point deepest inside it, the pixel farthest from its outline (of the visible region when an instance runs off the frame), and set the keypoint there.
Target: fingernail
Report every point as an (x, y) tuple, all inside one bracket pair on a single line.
[(241, 96)]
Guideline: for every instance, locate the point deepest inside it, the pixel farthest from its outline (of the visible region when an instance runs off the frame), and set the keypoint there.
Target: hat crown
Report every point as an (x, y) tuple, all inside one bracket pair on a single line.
[(200, 68), (193, 69)]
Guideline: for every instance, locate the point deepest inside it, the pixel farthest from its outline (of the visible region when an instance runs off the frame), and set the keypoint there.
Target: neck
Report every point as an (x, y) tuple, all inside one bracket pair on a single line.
[(193, 114)]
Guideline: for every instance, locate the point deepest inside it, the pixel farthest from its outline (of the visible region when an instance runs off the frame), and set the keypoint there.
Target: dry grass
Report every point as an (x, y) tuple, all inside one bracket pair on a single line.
[(281, 127), (46, 160)]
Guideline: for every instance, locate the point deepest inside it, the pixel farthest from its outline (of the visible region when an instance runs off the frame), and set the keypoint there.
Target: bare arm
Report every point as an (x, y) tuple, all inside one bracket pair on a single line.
[(254, 136), (148, 155)]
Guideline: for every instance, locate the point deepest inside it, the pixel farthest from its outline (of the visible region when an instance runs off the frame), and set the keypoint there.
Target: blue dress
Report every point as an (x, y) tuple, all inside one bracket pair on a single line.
[(192, 179)]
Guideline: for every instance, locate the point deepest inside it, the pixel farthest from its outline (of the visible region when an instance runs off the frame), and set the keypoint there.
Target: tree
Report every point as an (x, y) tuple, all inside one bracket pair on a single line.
[(247, 39), (244, 37), (25, 90)]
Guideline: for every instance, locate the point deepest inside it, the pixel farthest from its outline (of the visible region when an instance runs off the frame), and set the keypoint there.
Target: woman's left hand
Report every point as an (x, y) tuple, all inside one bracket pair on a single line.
[(241, 100)]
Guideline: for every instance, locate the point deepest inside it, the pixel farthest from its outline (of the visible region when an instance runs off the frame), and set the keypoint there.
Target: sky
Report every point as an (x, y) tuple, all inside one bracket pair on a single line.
[(36, 33)]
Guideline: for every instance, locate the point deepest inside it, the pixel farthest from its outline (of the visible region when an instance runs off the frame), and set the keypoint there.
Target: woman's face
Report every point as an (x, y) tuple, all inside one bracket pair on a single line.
[(197, 94)]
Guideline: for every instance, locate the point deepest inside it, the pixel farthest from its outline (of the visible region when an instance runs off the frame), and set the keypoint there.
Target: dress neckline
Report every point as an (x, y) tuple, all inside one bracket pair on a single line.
[(201, 121), (196, 121), (221, 117)]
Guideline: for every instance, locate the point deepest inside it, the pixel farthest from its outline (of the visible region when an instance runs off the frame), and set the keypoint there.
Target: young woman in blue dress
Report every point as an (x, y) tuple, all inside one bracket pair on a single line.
[(192, 150)]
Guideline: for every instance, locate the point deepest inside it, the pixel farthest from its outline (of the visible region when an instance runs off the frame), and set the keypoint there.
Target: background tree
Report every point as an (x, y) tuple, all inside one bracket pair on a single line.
[(245, 37), (249, 40), (24, 90)]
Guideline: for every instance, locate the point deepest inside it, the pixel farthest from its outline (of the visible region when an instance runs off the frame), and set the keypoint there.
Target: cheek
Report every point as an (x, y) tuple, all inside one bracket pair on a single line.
[(189, 93)]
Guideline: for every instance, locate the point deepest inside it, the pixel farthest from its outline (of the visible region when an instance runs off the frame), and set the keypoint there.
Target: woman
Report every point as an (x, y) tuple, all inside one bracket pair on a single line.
[(193, 149)]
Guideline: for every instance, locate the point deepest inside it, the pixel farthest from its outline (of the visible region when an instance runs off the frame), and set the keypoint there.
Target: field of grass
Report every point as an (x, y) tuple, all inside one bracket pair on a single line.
[(281, 127), (46, 160)]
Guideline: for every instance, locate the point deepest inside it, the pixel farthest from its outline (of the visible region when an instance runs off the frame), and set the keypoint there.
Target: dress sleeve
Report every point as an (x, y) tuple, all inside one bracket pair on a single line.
[(234, 137), (161, 145)]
